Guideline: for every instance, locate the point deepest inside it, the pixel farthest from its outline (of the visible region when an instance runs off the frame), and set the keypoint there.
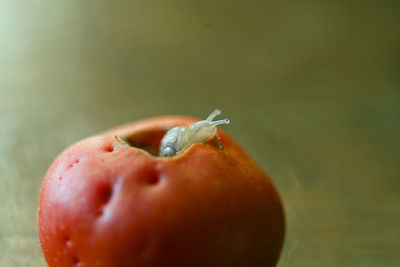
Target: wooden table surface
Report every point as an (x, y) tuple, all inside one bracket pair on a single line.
[(311, 88)]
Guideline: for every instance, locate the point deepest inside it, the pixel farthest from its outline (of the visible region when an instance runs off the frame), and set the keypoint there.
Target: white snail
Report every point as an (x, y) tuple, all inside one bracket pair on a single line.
[(179, 138)]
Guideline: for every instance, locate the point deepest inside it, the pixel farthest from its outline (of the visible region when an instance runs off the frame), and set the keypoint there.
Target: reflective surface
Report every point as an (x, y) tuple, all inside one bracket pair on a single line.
[(312, 91)]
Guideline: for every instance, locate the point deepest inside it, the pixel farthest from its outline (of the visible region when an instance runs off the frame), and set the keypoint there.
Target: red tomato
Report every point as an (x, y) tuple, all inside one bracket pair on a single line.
[(209, 206)]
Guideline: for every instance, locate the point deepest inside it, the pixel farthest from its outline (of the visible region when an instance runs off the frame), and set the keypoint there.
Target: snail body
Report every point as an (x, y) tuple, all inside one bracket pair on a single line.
[(179, 138)]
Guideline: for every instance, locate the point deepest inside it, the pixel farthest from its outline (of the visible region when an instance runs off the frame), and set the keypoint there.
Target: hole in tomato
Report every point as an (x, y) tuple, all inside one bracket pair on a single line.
[(148, 140), (75, 261), (73, 163), (153, 178), (105, 193), (109, 148)]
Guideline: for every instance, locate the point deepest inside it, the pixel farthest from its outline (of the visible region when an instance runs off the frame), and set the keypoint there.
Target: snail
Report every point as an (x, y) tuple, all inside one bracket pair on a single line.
[(179, 138)]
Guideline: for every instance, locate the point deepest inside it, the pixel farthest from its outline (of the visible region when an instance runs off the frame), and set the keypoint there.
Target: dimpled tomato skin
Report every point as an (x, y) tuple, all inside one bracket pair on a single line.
[(209, 206)]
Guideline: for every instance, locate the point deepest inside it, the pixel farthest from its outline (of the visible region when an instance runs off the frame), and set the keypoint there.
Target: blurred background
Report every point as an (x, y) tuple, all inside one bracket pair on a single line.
[(311, 88)]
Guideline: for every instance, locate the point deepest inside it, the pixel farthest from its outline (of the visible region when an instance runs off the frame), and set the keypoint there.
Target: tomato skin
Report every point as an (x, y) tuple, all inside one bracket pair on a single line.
[(206, 207)]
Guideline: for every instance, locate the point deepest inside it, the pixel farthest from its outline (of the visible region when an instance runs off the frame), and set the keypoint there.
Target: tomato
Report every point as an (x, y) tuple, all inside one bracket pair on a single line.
[(105, 203)]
